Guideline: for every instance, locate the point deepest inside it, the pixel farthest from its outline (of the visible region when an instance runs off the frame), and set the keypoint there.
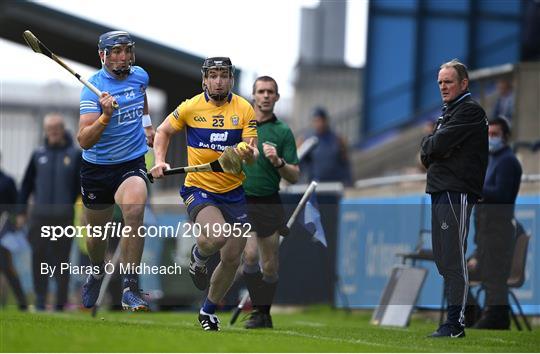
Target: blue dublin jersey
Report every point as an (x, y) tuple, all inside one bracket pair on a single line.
[(123, 139)]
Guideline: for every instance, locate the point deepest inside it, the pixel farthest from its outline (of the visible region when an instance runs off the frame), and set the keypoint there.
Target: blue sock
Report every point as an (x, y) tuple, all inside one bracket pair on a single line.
[(199, 258), (130, 281), (209, 307), (101, 270)]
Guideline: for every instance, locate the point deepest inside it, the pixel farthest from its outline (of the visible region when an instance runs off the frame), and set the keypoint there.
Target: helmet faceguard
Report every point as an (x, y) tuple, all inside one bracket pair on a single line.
[(112, 39), (217, 63)]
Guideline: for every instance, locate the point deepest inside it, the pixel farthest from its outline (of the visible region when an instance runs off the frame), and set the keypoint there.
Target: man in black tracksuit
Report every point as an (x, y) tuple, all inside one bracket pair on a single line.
[(455, 156), (52, 177)]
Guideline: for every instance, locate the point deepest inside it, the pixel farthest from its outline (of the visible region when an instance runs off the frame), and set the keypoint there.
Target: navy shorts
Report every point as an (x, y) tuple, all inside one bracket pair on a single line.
[(232, 204), (100, 182)]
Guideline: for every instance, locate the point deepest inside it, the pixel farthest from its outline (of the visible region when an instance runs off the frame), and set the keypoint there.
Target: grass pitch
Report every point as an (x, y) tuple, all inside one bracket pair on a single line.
[(313, 330)]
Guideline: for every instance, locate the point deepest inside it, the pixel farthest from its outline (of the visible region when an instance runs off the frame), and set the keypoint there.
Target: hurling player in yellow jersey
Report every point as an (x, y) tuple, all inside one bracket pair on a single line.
[(215, 201)]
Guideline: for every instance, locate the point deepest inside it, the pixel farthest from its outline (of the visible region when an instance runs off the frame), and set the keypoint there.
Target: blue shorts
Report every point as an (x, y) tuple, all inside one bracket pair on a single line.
[(100, 182), (232, 204)]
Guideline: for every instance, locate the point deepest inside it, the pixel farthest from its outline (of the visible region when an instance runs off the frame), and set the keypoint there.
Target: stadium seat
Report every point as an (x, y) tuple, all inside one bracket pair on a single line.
[(517, 275)]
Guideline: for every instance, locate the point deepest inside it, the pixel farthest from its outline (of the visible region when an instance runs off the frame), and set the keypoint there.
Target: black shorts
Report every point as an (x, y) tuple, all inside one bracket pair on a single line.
[(265, 214), (100, 182)]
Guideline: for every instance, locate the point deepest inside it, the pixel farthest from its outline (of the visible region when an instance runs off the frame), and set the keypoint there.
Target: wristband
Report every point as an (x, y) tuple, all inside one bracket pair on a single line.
[(102, 121), (146, 121), (283, 163)]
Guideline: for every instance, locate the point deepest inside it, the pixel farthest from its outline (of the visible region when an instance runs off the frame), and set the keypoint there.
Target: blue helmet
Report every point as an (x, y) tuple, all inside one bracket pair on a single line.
[(109, 40), (112, 38)]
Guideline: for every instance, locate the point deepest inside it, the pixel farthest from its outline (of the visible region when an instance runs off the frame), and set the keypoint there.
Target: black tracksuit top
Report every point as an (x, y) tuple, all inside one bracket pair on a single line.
[(456, 154), (52, 176)]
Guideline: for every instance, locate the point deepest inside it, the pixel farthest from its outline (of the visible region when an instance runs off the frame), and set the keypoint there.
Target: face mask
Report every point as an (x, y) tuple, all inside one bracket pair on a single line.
[(495, 144)]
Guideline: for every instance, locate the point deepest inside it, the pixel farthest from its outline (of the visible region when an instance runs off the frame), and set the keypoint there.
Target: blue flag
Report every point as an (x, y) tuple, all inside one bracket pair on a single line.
[(312, 220)]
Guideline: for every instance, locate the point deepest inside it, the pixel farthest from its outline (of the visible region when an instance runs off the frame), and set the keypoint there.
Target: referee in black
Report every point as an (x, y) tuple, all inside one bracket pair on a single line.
[(278, 160), (455, 156)]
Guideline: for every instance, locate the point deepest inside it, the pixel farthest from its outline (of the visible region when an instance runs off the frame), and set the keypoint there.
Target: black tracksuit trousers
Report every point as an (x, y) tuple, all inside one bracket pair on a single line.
[(54, 253), (450, 216)]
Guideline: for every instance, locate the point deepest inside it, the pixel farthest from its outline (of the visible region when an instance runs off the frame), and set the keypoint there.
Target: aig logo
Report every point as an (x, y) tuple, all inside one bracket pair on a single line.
[(131, 116), (199, 119)]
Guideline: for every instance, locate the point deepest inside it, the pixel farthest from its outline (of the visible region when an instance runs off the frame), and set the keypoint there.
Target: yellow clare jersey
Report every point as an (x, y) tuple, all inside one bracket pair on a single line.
[(209, 129)]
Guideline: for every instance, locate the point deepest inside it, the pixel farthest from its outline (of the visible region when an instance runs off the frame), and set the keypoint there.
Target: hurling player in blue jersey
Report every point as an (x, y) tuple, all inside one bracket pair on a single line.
[(113, 168)]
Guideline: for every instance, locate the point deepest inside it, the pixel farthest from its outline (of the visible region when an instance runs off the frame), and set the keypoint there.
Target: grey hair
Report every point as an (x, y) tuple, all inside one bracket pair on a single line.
[(53, 116), (459, 67)]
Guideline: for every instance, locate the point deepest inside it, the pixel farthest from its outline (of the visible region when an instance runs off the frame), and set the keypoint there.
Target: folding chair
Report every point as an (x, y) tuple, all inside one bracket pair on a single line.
[(517, 275)]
